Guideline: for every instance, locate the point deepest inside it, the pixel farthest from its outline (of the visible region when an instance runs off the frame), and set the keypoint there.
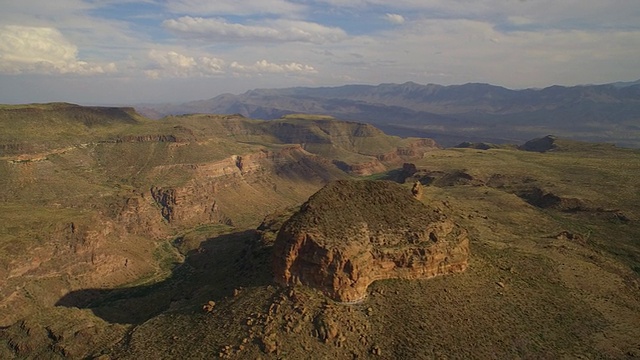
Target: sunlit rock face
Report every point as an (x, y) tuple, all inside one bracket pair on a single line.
[(351, 233)]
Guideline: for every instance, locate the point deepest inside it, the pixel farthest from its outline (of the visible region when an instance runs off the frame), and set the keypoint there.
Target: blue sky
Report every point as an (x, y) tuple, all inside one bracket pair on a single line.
[(133, 51)]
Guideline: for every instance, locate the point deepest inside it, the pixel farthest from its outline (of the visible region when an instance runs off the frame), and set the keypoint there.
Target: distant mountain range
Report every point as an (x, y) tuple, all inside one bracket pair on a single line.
[(450, 114)]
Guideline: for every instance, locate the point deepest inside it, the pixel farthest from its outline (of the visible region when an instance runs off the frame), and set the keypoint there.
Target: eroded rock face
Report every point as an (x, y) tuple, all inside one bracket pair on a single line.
[(351, 233)]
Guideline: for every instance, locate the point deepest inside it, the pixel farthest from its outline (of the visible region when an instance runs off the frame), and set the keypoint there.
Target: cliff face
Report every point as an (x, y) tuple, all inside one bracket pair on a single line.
[(413, 150), (352, 233), (362, 168), (87, 252), (206, 196)]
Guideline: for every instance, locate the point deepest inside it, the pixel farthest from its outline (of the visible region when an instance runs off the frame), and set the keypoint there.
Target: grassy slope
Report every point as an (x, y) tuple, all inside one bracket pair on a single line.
[(48, 126)]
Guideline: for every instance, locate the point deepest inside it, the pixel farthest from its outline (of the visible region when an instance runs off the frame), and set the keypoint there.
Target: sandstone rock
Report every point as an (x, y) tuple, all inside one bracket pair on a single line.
[(416, 190), (351, 233), (269, 344), (326, 328), (569, 236), (208, 307), (361, 169), (376, 351)]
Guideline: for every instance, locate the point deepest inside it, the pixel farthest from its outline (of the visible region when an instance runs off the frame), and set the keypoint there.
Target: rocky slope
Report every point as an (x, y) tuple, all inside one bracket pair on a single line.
[(352, 233)]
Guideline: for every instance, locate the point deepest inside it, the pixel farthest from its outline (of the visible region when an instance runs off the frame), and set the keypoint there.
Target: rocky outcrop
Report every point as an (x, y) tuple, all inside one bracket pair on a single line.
[(543, 199), (542, 144), (417, 190), (201, 200), (146, 138), (414, 150), (351, 233), (187, 203), (473, 145), (379, 163), (138, 214), (418, 147), (13, 148), (360, 169)]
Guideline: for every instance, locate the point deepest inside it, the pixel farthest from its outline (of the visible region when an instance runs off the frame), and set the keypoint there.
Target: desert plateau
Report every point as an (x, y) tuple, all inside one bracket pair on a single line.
[(200, 236)]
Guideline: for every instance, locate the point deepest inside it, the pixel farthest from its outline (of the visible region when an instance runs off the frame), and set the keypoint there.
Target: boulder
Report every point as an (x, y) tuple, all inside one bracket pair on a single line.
[(416, 190)]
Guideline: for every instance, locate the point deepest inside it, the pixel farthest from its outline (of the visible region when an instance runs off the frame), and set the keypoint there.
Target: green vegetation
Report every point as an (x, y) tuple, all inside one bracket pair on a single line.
[(43, 127), (335, 209)]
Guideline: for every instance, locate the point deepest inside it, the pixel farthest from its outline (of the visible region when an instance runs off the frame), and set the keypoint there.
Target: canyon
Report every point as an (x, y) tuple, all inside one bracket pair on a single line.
[(148, 183)]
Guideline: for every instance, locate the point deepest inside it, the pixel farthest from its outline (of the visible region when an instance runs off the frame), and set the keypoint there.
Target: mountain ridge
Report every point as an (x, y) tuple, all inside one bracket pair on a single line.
[(451, 114)]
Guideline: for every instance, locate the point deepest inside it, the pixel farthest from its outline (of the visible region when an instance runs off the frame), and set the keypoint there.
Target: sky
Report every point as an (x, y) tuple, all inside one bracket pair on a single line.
[(148, 51)]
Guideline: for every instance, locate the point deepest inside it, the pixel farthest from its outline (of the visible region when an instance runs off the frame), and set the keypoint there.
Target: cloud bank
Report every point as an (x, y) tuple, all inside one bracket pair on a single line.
[(273, 30), (171, 64), (44, 50), (394, 18)]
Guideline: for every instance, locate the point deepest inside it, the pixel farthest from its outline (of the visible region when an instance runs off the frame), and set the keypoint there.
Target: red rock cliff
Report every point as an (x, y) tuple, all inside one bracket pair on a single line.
[(351, 233)]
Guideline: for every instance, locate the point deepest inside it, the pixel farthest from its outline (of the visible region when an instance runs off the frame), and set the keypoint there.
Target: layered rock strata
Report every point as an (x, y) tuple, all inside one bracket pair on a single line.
[(352, 233)]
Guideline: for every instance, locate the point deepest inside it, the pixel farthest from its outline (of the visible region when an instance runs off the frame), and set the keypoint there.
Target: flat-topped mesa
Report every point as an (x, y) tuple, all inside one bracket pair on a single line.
[(352, 233)]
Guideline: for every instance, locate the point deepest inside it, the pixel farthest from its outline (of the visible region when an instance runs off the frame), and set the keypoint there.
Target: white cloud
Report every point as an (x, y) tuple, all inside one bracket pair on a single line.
[(82, 23), (395, 18), (519, 20), (233, 7), (26, 49), (172, 59), (263, 66), (211, 65), (274, 30), (478, 51), (171, 64)]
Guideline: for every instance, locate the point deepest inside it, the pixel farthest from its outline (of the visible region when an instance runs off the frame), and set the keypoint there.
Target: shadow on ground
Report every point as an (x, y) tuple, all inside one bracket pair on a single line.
[(212, 272)]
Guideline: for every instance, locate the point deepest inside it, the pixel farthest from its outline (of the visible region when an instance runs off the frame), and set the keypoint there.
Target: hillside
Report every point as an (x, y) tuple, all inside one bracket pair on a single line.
[(30, 128), (451, 114), (156, 239)]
